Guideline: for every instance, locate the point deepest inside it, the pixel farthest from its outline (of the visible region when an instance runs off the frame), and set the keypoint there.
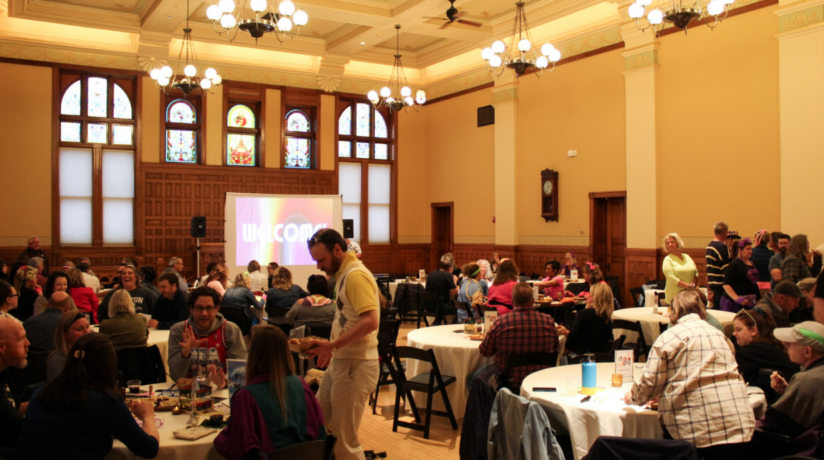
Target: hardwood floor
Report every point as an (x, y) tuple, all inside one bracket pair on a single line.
[(376, 430)]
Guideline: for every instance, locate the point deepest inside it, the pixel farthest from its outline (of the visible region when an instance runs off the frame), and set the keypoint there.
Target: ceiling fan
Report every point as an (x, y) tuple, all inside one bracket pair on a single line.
[(453, 15)]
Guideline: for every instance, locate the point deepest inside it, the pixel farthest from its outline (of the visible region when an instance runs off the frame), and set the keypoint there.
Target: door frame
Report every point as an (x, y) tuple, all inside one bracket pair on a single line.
[(592, 197), (433, 255)]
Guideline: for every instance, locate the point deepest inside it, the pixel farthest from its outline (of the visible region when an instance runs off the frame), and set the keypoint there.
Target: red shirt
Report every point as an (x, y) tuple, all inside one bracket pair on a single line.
[(86, 301), (501, 293)]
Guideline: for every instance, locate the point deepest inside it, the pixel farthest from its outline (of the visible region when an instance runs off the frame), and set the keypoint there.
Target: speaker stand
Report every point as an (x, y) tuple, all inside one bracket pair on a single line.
[(198, 259)]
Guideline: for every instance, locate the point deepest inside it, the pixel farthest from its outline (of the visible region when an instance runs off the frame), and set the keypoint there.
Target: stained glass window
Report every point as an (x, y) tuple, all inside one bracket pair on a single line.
[(362, 119), (345, 149), (71, 100), (181, 112), (97, 133), (122, 134), (122, 105), (380, 126), (69, 132), (181, 146), (297, 122), (240, 149), (297, 153), (344, 122), (381, 151), (241, 116), (363, 150), (98, 97)]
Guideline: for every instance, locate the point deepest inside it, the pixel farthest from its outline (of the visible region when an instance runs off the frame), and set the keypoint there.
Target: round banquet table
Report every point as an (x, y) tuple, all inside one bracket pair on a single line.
[(173, 448), (393, 286), (610, 417), (456, 355), (161, 339), (650, 323)]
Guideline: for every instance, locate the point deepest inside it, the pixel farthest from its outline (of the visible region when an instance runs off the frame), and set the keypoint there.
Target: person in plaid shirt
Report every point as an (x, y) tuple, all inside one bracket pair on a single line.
[(524, 330), (703, 397)]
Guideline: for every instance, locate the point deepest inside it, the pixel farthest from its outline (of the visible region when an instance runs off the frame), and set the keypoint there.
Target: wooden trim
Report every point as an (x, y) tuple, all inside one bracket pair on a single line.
[(621, 194), (733, 13), (393, 200), (433, 207), (26, 62), (56, 104), (459, 93), (137, 203)]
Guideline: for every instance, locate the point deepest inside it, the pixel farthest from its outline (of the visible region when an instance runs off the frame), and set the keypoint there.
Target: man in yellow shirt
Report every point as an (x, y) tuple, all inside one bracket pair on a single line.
[(352, 352)]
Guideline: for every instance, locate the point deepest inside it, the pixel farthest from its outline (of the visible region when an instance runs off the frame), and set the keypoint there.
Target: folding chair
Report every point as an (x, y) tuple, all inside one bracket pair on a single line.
[(387, 337), (641, 348), (425, 299), (527, 359), (321, 449), (141, 363)]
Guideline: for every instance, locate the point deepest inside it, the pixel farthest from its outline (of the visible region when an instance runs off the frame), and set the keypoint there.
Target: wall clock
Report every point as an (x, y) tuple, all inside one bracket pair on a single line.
[(549, 195)]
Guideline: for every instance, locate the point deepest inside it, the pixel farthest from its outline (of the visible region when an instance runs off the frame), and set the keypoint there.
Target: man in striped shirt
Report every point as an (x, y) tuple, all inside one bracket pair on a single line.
[(718, 257)]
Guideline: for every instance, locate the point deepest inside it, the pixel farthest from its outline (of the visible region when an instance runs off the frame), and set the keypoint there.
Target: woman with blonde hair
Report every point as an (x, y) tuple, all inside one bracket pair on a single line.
[(592, 330), (275, 409), (283, 294), (240, 296), (678, 267), (25, 282), (218, 278), (500, 293), (125, 329), (257, 281), (72, 326)]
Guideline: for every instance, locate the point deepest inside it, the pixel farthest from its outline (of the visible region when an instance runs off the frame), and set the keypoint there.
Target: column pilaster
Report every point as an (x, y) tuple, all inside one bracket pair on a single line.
[(506, 159)]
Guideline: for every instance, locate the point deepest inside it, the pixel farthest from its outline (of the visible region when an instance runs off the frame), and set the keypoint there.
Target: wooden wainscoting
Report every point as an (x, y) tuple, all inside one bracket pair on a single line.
[(641, 264)]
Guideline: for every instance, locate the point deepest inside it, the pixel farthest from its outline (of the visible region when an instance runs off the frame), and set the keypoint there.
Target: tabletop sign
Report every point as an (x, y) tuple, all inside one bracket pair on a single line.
[(623, 363), (573, 275), (489, 318)]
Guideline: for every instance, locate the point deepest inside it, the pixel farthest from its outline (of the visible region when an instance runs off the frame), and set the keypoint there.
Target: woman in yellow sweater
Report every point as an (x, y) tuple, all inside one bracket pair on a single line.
[(679, 269)]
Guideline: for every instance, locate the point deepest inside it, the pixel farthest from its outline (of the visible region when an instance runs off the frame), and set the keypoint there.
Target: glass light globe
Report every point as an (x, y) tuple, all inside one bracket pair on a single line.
[(372, 96), (495, 62), (210, 73), (228, 21), (205, 83), (155, 74), (636, 11), (655, 17), (217, 80), (498, 47), (213, 13), (546, 49), (487, 53), (258, 5), (406, 91), (542, 62), (227, 6), (284, 24), (524, 45), (286, 8), (715, 7), (554, 55), (408, 100), (189, 70), (163, 81), (420, 100), (421, 94), (385, 91), (300, 18), (166, 71), (390, 100)]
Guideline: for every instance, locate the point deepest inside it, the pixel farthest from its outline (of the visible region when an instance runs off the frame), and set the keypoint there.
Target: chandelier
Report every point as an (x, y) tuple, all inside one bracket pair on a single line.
[(165, 77), (266, 19), (520, 54), (678, 14), (393, 95)]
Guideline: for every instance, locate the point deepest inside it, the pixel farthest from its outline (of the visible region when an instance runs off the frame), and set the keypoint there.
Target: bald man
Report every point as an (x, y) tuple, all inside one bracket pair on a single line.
[(13, 350), (40, 328)]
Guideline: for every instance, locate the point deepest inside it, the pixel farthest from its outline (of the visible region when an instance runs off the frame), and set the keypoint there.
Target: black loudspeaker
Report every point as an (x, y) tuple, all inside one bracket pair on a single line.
[(198, 227), (348, 228)]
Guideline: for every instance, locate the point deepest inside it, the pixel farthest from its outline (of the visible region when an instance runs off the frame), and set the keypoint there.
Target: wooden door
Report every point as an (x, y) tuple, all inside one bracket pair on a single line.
[(441, 232), (609, 236)]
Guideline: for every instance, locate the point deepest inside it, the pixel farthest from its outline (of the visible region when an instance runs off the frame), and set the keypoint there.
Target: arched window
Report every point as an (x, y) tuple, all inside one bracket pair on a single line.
[(300, 139), (371, 139), (182, 131), (242, 135)]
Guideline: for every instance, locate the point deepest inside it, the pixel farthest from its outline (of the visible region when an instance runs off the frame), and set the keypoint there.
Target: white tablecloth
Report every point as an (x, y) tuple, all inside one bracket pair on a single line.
[(456, 355), (161, 339), (586, 421), (172, 448), (393, 286), (650, 323)]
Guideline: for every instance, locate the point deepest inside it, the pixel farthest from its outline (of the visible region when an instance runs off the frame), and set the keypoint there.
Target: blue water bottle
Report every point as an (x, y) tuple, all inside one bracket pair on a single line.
[(588, 375)]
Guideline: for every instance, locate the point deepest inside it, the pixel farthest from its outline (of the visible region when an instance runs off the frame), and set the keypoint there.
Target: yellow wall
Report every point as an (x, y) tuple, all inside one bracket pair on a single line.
[(328, 127), (718, 127), (26, 158), (214, 127), (150, 137), (413, 220), (579, 106)]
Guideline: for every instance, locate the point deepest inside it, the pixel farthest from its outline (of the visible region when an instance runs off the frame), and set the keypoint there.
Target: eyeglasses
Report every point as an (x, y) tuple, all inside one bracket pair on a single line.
[(202, 309), (15, 295)]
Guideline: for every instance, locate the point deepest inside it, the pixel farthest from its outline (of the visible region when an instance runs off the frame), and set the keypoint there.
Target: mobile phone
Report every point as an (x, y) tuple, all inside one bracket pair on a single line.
[(547, 389), (586, 399)]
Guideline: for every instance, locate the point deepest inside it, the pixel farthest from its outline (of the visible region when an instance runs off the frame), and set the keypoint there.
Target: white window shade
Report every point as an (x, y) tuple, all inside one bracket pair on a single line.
[(380, 185), (75, 196), (118, 221), (349, 186), (118, 197), (378, 223), (75, 220)]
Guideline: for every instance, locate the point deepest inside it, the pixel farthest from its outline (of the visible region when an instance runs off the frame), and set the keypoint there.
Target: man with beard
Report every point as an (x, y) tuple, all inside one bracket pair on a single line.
[(778, 259), (352, 352)]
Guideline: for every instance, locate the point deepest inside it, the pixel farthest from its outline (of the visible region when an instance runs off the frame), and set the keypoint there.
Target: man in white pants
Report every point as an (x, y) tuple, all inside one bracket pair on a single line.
[(352, 352)]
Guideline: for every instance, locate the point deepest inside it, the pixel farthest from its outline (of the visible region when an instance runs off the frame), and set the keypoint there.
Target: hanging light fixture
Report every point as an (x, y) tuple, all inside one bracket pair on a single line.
[(397, 94), (266, 20), (520, 55), (165, 77), (678, 14)]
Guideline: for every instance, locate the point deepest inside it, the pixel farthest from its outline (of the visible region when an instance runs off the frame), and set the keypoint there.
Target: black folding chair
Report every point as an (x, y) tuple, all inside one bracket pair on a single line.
[(428, 382), (321, 449), (428, 303), (387, 338), (141, 363), (514, 361), (599, 358), (462, 306), (640, 346), (637, 294), (239, 317)]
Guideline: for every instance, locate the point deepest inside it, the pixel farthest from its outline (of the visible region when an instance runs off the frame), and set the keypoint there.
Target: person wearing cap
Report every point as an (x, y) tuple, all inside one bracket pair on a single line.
[(740, 280), (801, 406), (718, 258), (783, 304)]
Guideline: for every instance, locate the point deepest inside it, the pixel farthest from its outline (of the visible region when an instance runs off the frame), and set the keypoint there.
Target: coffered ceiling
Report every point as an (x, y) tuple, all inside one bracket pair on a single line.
[(355, 30)]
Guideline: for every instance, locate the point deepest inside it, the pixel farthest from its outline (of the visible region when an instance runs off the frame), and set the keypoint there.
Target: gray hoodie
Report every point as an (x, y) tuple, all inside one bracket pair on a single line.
[(235, 346)]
